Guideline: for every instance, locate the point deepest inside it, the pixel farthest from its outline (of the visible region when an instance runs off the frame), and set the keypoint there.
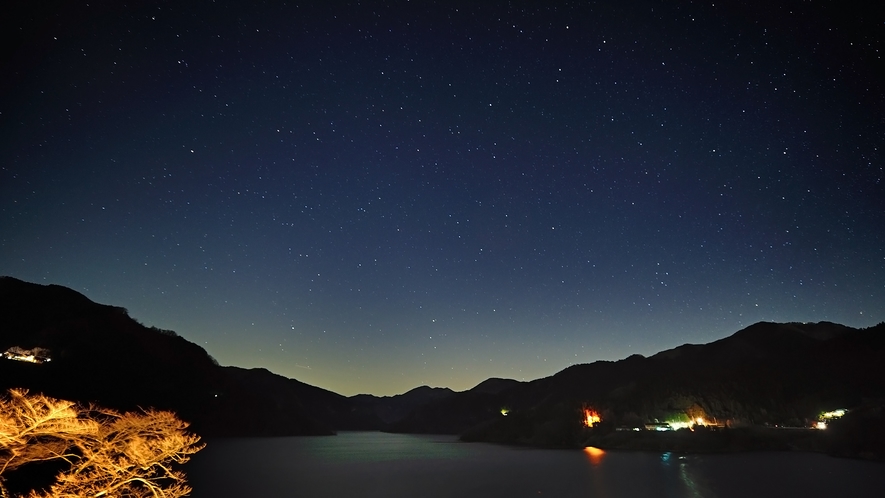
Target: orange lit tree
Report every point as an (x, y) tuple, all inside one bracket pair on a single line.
[(107, 453)]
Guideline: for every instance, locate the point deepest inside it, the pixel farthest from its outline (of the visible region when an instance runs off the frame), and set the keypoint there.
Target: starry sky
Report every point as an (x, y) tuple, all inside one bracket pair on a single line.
[(371, 196)]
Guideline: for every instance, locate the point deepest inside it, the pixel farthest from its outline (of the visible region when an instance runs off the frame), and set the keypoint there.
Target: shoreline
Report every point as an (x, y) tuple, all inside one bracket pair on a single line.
[(703, 441)]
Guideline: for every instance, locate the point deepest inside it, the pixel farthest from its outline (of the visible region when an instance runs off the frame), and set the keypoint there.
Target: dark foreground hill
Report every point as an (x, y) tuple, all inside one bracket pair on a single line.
[(100, 355)]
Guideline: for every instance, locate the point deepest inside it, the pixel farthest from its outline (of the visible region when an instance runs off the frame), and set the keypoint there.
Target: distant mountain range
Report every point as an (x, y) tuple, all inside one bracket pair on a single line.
[(766, 374)]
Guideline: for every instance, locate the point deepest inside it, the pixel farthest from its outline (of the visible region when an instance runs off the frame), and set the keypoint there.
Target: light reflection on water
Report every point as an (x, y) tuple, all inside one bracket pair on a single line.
[(371, 464), (594, 455)]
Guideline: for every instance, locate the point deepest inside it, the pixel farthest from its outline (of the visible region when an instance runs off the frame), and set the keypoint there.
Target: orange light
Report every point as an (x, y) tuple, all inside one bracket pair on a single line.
[(591, 417), (594, 454)]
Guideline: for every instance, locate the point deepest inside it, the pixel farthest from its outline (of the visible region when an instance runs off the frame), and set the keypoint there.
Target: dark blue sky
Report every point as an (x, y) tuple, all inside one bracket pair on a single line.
[(373, 196)]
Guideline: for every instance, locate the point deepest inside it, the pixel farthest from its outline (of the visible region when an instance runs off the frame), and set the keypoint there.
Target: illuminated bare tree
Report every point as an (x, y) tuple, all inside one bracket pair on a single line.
[(109, 454)]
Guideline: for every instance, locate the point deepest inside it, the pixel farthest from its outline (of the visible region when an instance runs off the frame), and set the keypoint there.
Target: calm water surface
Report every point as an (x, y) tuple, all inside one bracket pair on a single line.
[(372, 464)]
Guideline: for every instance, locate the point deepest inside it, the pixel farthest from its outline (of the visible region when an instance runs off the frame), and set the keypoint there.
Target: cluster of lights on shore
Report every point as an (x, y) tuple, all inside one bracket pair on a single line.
[(697, 421), (591, 418), (825, 417)]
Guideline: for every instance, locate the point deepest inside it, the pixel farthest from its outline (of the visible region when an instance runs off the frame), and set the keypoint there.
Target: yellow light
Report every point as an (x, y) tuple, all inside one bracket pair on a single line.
[(820, 425), (834, 414)]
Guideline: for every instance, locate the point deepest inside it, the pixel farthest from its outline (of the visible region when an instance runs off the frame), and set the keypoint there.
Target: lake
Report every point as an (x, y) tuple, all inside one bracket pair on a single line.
[(373, 464)]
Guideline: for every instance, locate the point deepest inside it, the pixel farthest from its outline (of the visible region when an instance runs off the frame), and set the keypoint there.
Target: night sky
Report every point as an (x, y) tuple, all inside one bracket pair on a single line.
[(372, 196)]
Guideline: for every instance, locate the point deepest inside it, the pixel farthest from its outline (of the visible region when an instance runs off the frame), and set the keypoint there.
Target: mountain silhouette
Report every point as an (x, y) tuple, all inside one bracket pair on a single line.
[(100, 355), (768, 374)]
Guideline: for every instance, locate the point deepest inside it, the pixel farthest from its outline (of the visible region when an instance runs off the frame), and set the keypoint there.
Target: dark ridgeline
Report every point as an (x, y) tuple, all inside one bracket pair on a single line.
[(766, 374), (101, 355), (391, 409)]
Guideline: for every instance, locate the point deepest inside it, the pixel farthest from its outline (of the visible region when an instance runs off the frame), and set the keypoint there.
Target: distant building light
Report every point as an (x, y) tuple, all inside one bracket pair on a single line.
[(834, 414), (591, 417), (827, 416), (693, 422), (36, 355)]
